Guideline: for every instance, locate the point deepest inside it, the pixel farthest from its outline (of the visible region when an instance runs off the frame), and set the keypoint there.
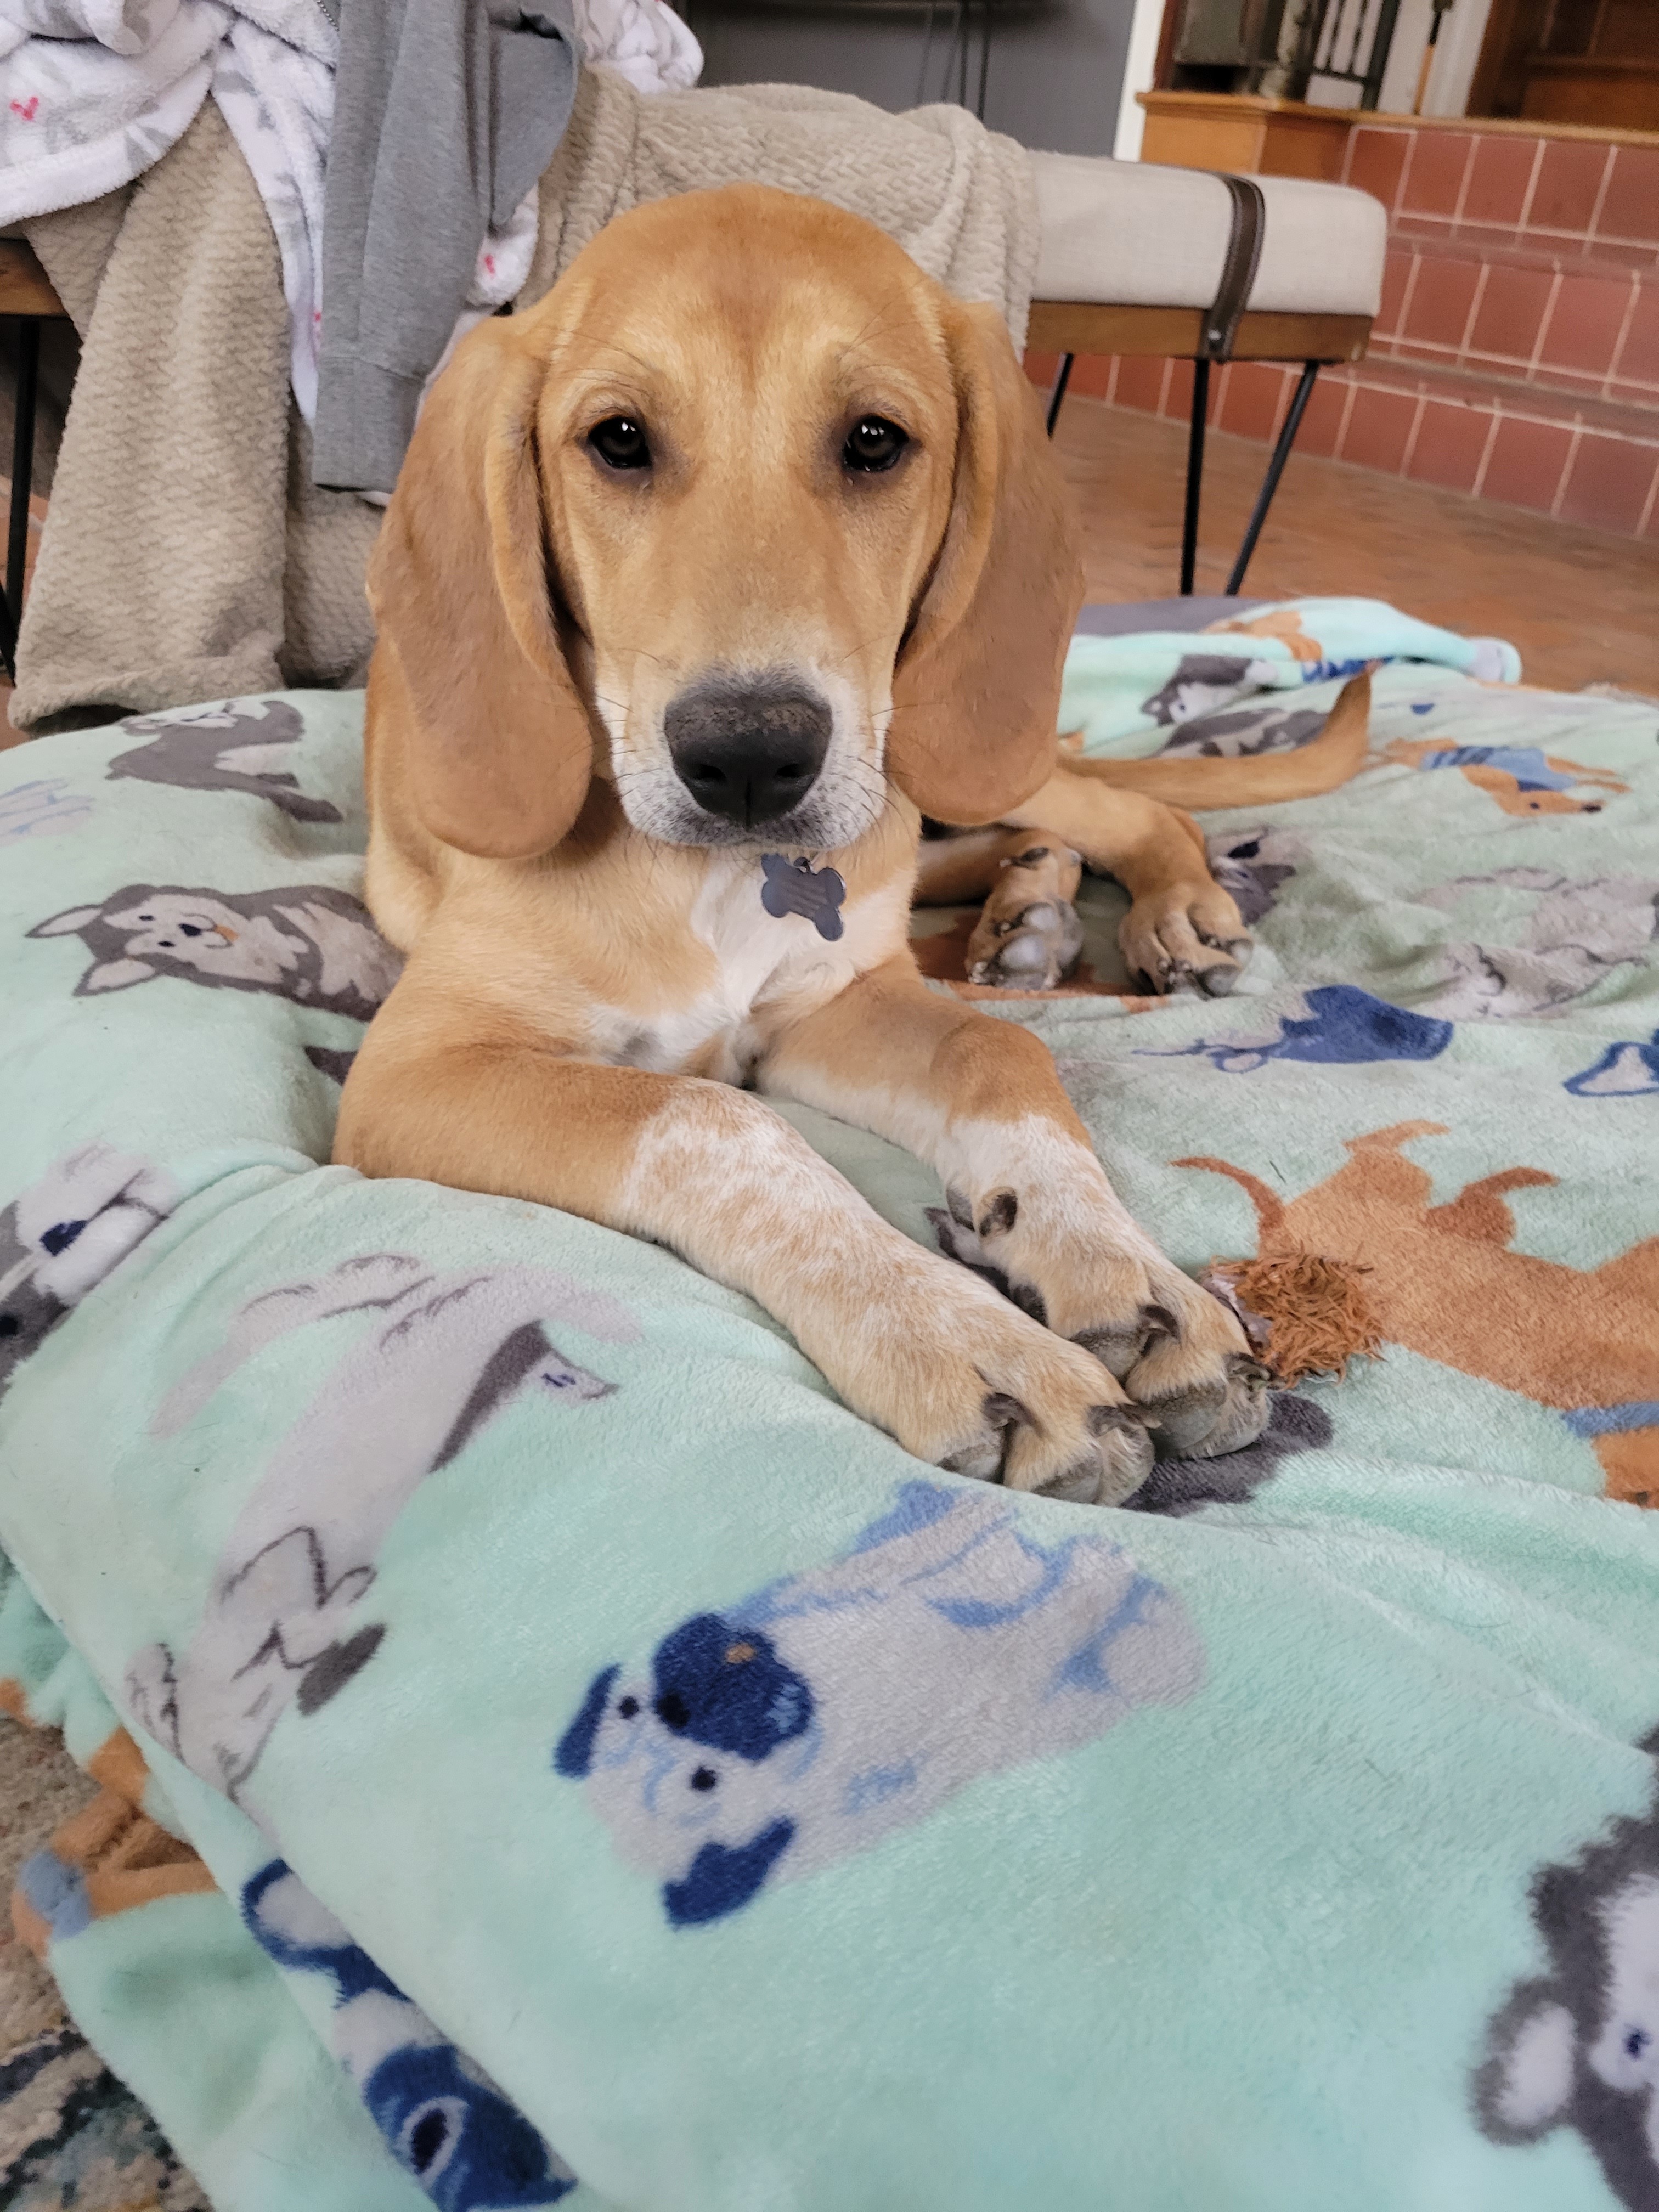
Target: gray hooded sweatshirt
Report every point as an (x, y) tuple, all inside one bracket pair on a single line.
[(446, 114)]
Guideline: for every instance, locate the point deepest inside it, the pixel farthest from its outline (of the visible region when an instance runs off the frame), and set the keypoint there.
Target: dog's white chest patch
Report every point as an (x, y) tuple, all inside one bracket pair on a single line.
[(760, 959)]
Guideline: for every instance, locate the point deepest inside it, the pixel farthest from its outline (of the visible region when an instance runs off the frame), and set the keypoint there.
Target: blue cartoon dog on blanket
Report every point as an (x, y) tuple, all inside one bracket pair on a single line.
[(443, 2120), (810, 1719)]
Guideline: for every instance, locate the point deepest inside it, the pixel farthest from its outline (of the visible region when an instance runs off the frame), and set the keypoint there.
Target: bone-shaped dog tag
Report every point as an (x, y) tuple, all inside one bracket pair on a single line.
[(797, 887)]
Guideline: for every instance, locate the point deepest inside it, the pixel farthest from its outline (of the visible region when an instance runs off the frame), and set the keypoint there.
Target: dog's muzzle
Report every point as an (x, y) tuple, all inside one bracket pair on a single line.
[(748, 748)]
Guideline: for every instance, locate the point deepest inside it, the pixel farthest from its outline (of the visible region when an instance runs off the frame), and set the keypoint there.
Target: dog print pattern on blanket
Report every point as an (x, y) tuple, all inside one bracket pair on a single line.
[(1522, 779), (812, 1718), (1445, 1283), (1579, 2047), (443, 2120), (62, 1236), (1580, 933), (313, 944), (1425, 1634), (442, 1353), (1628, 1069), (242, 746), (44, 806), (1337, 1023)]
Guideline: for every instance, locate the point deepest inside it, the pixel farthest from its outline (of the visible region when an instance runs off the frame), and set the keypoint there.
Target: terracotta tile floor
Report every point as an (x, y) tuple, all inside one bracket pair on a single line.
[(1583, 606)]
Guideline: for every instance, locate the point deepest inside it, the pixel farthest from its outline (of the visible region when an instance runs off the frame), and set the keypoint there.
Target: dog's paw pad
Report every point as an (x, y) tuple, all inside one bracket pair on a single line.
[(1032, 951)]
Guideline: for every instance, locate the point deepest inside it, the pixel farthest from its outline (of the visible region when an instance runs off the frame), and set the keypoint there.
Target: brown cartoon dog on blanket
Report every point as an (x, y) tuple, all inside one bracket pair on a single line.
[(1445, 1283), (109, 1857), (1522, 779)]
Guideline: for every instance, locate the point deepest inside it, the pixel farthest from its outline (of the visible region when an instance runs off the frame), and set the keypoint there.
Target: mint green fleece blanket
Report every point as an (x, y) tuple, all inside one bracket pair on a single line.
[(617, 1761)]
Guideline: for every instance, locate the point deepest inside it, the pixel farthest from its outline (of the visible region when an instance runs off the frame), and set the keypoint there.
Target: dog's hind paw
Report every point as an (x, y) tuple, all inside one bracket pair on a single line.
[(1032, 949), (1188, 937), (1027, 937)]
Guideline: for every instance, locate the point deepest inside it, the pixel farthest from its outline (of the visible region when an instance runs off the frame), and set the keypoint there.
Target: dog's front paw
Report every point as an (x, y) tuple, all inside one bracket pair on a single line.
[(962, 1378), (1189, 937), (1200, 1383), (1181, 1356)]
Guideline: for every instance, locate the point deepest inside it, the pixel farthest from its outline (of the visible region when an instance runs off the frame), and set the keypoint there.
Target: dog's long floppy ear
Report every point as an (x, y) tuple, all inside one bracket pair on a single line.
[(976, 689), (498, 744)]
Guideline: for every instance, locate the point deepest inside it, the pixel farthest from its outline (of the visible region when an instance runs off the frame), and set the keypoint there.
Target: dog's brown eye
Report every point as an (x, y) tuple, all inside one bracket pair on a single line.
[(873, 444), (620, 442)]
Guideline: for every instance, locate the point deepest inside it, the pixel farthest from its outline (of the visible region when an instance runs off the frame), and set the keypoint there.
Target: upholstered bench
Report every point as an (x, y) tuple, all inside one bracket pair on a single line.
[(1139, 259)]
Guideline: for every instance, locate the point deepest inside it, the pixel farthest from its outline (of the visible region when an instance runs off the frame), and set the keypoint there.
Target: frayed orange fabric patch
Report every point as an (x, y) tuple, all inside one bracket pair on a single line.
[(1316, 1310)]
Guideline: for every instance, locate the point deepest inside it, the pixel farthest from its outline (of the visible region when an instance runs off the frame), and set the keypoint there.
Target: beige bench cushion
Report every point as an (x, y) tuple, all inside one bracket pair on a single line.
[(1128, 233)]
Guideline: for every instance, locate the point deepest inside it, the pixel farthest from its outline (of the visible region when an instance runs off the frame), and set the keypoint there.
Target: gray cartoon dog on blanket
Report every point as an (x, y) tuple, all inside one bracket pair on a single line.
[(1579, 2046), (311, 944), (66, 1234), (1579, 932), (439, 1358), (242, 746), (810, 1719)]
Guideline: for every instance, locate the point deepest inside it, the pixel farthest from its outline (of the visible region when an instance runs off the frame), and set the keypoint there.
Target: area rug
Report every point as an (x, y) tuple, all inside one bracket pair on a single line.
[(72, 2137)]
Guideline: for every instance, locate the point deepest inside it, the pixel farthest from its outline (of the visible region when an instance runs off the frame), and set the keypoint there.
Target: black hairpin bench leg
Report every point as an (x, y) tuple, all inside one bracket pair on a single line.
[(1194, 455), (22, 476), (1194, 474), (1281, 453), (1264, 498), (1062, 378)]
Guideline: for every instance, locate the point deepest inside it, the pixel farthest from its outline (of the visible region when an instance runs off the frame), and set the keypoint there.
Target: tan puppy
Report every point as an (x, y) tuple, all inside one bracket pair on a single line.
[(747, 540)]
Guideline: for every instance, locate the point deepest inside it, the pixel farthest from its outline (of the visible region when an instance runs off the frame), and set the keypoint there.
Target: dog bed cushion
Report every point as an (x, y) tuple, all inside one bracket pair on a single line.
[(617, 1761)]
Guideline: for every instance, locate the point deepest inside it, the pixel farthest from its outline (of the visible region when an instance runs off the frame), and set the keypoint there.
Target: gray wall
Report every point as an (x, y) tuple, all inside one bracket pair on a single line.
[(1056, 72)]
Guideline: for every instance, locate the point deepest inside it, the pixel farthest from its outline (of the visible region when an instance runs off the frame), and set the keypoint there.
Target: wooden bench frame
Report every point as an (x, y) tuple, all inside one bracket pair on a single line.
[(1069, 327)]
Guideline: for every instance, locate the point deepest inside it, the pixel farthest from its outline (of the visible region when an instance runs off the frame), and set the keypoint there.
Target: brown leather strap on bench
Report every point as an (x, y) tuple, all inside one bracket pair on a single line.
[(1239, 265)]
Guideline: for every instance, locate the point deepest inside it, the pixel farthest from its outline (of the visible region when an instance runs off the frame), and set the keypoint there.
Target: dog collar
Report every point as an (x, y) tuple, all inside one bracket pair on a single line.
[(797, 887)]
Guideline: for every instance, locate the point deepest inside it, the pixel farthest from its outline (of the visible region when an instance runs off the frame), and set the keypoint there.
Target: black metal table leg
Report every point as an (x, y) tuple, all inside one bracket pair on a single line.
[(22, 477), (1062, 378), (1194, 474), (1281, 453)]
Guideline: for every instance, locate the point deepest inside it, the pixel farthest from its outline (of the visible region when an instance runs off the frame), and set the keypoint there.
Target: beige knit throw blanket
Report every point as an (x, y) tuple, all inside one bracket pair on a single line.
[(187, 554)]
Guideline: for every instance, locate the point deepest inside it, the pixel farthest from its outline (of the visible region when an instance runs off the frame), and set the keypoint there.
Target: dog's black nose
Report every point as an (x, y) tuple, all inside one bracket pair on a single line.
[(748, 748)]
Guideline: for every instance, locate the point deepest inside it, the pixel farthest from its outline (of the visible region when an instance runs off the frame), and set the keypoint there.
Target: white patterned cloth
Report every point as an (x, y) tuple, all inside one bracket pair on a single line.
[(273, 78), (96, 91), (640, 39)]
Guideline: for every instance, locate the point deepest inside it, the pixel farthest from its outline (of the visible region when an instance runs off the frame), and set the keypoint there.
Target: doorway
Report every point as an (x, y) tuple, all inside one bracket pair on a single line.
[(1591, 62)]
